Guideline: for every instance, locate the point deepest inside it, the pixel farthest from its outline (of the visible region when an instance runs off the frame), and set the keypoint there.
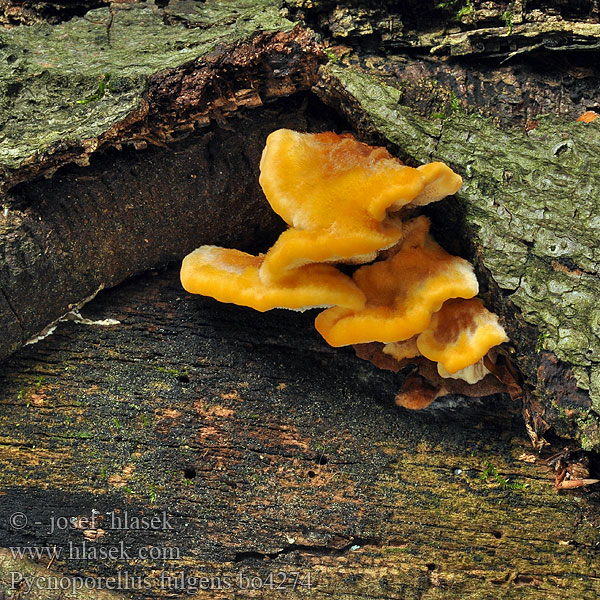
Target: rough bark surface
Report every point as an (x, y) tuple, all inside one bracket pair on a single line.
[(72, 89), (129, 211), (93, 227), (512, 61), (269, 452), (526, 215), (517, 63)]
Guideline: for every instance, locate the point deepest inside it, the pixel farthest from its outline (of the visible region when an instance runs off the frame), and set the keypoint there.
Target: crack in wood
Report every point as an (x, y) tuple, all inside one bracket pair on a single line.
[(316, 550)]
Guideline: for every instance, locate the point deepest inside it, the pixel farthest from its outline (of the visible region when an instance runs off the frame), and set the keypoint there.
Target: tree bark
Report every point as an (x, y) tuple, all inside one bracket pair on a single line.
[(534, 238), (272, 451), (527, 214), (526, 218), (138, 206)]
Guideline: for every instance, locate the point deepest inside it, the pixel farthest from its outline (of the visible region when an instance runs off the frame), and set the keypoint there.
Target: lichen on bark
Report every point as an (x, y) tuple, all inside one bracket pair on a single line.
[(531, 207), (67, 84)]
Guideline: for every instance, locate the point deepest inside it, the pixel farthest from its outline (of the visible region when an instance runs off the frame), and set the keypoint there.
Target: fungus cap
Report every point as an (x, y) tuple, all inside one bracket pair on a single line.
[(402, 292), (335, 191), (588, 116), (416, 393), (440, 181), (460, 334), (471, 374), (402, 350), (297, 247), (232, 276)]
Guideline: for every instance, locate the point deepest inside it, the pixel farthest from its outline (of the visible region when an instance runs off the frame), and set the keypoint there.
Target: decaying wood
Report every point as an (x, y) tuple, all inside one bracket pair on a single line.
[(527, 218), (537, 259), (271, 452), (93, 227), (132, 210), (19, 12), (184, 77), (512, 61)]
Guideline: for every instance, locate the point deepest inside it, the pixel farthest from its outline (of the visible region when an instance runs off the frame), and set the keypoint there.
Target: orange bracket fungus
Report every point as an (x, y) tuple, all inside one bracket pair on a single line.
[(342, 201), (232, 276), (402, 292), (336, 194), (459, 336)]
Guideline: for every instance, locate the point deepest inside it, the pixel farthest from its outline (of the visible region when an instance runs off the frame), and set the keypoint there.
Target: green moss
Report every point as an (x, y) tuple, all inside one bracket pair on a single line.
[(449, 106), (152, 493), (331, 55), (589, 430), (465, 11), (173, 372), (508, 17), (541, 338), (490, 472), (103, 86), (459, 8), (53, 79), (541, 248)]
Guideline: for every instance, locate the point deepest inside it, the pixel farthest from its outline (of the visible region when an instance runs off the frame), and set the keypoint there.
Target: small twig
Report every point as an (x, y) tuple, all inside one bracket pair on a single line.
[(53, 558), (568, 484)]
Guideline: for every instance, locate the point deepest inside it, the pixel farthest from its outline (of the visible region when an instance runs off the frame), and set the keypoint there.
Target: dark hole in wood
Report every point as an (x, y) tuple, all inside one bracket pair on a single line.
[(497, 534), (431, 566), (189, 473), (311, 474)]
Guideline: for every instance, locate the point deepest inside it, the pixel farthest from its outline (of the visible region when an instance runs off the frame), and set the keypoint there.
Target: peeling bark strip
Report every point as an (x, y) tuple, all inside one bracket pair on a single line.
[(89, 94), (528, 201), (509, 60), (461, 27)]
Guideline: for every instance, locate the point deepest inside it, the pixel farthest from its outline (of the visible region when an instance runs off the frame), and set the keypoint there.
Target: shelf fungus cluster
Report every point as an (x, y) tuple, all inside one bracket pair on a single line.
[(347, 202)]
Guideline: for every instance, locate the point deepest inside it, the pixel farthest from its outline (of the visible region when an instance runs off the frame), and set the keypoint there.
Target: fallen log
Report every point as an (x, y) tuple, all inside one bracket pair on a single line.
[(262, 452), (527, 218), (141, 203), (533, 237)]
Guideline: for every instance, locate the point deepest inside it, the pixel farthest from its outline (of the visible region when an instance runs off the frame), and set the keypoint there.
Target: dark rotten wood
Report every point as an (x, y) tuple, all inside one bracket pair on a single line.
[(270, 451), (131, 210), (257, 447), (63, 249)]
